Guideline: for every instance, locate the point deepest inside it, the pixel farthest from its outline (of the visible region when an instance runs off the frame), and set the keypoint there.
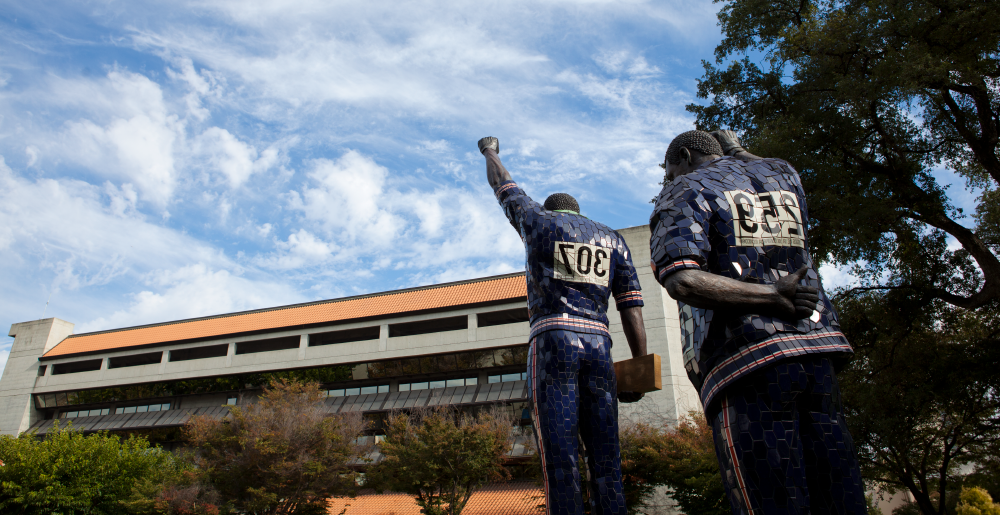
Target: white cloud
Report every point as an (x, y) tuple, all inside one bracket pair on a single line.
[(193, 291), (359, 220), (32, 153), (134, 135), (302, 249), (123, 200), (235, 160), (53, 219), (346, 200)]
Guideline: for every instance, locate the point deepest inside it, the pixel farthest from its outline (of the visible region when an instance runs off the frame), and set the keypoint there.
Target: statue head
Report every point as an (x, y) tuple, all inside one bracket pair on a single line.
[(562, 202), (689, 150)]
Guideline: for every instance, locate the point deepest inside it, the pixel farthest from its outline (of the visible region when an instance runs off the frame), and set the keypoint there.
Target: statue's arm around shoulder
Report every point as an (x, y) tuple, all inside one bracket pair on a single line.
[(731, 145), (786, 299)]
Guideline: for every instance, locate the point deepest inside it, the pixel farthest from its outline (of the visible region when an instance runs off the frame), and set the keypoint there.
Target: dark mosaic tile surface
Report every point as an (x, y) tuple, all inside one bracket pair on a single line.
[(746, 221), (783, 445), (574, 264), (574, 398)]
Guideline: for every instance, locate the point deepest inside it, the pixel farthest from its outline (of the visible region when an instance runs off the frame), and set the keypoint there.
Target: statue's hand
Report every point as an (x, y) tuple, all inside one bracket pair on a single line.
[(730, 143), (489, 142), (629, 397), (795, 301)]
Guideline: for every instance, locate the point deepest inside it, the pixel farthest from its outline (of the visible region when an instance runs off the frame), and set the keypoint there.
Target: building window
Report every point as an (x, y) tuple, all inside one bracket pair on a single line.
[(436, 325), (349, 335), (431, 385), (231, 401), (270, 344), (135, 360), (508, 316), (84, 413), (364, 390), (209, 351), (503, 378), (41, 370), (89, 365), (143, 408)]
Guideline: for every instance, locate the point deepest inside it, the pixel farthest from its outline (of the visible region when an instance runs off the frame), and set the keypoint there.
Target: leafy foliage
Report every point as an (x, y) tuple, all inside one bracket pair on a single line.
[(681, 457), (976, 501), (867, 98), (442, 456), (870, 101), (280, 455), (69, 473), (177, 491), (922, 396)]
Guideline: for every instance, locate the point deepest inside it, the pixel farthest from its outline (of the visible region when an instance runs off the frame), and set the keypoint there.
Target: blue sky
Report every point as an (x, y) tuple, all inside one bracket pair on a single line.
[(179, 159)]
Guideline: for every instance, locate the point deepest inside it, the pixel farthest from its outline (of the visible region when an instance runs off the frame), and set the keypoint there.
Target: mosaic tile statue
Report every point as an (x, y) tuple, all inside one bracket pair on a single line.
[(574, 265), (761, 339)]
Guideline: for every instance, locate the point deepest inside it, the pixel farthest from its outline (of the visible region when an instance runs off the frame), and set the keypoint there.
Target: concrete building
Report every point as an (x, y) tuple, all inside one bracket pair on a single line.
[(461, 343)]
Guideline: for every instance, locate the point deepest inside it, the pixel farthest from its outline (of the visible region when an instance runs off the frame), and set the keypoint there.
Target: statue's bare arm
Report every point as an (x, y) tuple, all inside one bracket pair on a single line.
[(635, 331), (496, 174), (635, 334), (786, 299)]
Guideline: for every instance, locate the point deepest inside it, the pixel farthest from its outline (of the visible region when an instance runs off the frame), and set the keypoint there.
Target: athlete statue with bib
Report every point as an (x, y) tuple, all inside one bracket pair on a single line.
[(574, 265)]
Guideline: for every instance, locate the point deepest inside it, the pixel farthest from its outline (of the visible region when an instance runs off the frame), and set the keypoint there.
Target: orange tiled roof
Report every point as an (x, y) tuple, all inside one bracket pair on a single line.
[(508, 287), (495, 499)]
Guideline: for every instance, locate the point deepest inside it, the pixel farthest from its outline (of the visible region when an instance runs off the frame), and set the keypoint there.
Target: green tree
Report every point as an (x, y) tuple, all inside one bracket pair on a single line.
[(72, 473), (867, 98), (681, 457), (442, 456), (922, 397), (976, 501), (280, 455), (178, 490)]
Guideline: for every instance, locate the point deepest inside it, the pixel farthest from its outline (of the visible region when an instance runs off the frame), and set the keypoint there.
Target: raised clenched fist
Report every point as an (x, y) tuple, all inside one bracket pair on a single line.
[(489, 142)]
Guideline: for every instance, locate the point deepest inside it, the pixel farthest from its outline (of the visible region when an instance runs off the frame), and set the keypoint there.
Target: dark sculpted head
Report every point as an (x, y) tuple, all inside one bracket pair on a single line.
[(562, 202), (688, 150)]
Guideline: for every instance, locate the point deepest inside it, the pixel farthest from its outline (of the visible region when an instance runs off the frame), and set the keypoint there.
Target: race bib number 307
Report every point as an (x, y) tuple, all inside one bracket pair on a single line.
[(766, 218), (582, 263)]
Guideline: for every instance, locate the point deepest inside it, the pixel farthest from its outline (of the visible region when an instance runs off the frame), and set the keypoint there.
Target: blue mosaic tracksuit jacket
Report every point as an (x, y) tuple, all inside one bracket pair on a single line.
[(746, 221), (573, 265)]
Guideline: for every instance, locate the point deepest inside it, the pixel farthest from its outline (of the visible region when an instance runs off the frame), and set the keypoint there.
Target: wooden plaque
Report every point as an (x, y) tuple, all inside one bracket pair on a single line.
[(640, 374)]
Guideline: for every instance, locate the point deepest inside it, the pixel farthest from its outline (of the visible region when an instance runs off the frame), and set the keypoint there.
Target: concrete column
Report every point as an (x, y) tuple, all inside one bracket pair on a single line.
[(164, 359), (104, 368), (303, 345), (383, 337), (230, 354), (663, 337), (31, 341), (473, 325)]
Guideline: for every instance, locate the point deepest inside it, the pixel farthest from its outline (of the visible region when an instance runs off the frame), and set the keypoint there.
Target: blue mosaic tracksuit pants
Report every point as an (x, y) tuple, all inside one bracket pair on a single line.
[(573, 392), (783, 445)]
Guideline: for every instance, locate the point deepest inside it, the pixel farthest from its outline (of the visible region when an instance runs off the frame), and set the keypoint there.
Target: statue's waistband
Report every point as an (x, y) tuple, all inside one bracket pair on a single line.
[(568, 322)]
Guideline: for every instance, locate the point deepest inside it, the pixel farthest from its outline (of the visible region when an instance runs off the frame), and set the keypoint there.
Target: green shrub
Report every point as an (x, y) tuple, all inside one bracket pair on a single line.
[(68, 472)]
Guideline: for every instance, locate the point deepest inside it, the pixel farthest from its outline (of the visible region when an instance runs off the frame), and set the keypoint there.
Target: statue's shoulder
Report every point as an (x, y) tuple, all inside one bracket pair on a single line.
[(775, 163)]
